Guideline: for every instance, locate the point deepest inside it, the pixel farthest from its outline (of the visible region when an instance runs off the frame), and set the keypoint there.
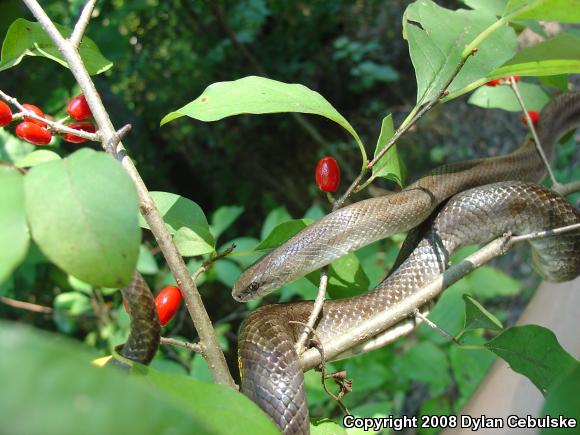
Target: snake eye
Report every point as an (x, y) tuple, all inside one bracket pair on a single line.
[(254, 286)]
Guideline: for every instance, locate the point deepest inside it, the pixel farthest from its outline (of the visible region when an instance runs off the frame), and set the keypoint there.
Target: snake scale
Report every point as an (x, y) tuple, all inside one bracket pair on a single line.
[(488, 198)]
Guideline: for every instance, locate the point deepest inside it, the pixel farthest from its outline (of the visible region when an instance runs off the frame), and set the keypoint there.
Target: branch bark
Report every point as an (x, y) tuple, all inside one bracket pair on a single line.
[(212, 352), (380, 323)]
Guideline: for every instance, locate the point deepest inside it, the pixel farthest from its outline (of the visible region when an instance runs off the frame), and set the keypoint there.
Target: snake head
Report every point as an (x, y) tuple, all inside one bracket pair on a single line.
[(260, 279)]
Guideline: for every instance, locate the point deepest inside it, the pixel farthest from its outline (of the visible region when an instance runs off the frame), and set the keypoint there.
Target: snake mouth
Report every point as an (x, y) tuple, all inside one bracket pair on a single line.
[(241, 294)]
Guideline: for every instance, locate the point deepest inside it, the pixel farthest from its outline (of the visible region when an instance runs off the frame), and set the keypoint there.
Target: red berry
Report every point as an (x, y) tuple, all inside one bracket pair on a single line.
[(82, 125), (36, 110), (327, 174), (78, 108), (5, 114), (493, 83), (516, 78), (534, 116), (167, 302), (33, 133)]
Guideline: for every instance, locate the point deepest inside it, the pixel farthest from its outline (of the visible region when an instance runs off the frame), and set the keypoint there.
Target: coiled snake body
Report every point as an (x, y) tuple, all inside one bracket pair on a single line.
[(269, 367)]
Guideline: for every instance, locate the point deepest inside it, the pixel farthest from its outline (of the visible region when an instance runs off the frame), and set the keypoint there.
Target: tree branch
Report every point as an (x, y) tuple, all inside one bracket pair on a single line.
[(315, 313), (25, 305), (567, 189), (195, 347), (380, 323), (212, 352), (82, 23)]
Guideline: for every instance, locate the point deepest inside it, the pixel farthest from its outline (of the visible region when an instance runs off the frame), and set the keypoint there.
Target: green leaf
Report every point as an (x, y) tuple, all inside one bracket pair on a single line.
[(227, 272), (503, 97), (146, 263), (27, 38), (282, 233), (74, 303), (566, 11), (13, 149), (315, 212), (200, 370), (559, 55), (258, 95), (224, 217), (244, 253), (559, 82), (346, 278), (79, 285), (426, 363), (495, 7), (437, 38), (274, 218), (52, 379), (563, 399), (82, 213), (325, 426), (534, 352), (389, 166), (487, 282), (14, 236), (476, 316), (469, 368), (191, 242), (36, 158), (222, 406), (177, 212)]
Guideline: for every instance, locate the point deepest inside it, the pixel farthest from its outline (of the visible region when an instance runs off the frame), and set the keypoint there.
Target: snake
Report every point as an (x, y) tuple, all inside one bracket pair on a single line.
[(474, 201)]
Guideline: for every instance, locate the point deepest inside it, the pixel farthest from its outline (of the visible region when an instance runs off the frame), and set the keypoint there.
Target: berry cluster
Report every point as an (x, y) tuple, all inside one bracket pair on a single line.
[(37, 132)]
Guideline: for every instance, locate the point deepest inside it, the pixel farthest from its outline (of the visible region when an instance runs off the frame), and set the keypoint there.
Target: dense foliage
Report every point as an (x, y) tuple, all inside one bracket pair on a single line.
[(249, 181)]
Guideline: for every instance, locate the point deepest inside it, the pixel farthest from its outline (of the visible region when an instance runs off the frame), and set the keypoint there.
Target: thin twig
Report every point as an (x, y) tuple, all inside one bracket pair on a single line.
[(195, 347), (530, 124), (205, 266), (82, 23), (567, 189), (315, 313), (381, 322), (434, 326), (211, 350), (25, 305), (543, 234), (111, 145), (56, 126)]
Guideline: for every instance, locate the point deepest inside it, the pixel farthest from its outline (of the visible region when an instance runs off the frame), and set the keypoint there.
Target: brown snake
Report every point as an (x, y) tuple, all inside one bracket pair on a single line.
[(270, 372)]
